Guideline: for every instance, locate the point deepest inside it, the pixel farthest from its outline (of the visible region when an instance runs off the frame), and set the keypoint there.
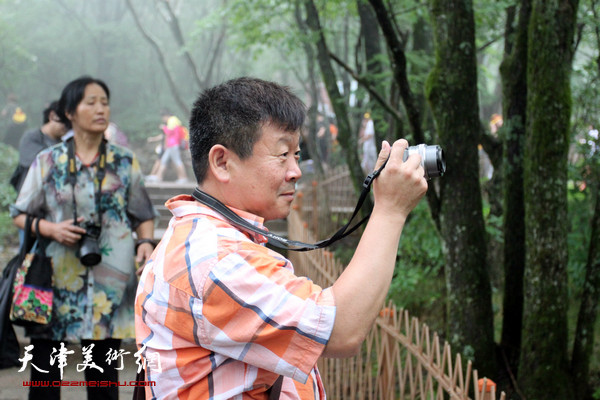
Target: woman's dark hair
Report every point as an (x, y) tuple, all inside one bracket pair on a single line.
[(72, 95), (233, 114)]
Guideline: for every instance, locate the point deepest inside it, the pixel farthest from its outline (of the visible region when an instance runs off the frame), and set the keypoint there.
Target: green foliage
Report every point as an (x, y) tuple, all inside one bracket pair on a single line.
[(580, 203), (585, 84), (418, 279), (8, 162), (261, 24), (9, 158), (490, 19), (586, 95)]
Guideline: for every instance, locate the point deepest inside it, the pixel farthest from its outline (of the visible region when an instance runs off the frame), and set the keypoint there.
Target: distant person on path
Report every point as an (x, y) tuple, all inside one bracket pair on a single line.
[(496, 122), (486, 168), (93, 296), (226, 316), (368, 146), (174, 138), (323, 140), (159, 151), (17, 121), (36, 140)]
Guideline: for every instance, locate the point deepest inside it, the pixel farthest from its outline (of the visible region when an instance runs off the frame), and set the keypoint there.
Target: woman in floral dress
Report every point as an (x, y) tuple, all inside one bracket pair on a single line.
[(93, 305)]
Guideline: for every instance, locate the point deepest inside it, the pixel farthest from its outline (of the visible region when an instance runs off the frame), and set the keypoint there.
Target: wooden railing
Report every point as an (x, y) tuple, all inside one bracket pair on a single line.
[(400, 359), (325, 205)]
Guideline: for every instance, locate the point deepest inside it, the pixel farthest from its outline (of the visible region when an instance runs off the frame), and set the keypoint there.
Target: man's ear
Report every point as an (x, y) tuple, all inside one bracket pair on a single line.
[(219, 158)]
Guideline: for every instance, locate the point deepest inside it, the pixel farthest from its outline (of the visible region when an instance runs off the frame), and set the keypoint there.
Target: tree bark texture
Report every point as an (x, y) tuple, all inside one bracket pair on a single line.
[(514, 88), (396, 49), (345, 137), (411, 102), (374, 67), (452, 92), (311, 143), (583, 345), (543, 371)]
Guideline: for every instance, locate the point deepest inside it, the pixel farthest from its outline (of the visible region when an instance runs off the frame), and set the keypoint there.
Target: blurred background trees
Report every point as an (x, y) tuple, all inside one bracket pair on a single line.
[(502, 258)]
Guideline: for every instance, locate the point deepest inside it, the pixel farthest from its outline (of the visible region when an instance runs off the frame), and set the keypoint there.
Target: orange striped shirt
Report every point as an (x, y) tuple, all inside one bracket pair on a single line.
[(221, 316)]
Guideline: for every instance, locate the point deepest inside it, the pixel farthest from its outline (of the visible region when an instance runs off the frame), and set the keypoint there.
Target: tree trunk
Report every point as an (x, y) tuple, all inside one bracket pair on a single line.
[(514, 80), (583, 345), (374, 66), (452, 93), (544, 364), (161, 59), (173, 22), (345, 136), (396, 49), (413, 112), (311, 136)]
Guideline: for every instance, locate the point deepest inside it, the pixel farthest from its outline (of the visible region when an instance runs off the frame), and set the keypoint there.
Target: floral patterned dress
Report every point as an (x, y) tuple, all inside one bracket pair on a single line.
[(90, 302)]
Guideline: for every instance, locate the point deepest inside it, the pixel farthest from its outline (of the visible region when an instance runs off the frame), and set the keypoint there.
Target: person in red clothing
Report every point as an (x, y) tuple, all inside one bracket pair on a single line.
[(174, 137)]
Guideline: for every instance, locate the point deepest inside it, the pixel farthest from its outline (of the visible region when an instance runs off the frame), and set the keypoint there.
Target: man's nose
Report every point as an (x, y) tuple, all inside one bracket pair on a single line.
[(294, 173)]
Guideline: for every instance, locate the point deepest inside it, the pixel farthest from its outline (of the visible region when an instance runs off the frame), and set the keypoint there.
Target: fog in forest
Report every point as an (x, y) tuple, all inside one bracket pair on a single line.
[(153, 55)]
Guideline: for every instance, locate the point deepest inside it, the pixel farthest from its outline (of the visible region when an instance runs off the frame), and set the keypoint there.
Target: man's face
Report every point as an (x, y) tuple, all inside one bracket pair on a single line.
[(265, 182)]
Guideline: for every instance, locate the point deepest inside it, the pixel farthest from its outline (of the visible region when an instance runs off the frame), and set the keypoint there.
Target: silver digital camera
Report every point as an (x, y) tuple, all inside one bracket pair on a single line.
[(432, 159)]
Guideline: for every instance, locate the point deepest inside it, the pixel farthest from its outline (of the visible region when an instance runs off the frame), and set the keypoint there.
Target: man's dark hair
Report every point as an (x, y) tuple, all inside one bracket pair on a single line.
[(72, 95), (233, 113), (53, 106)]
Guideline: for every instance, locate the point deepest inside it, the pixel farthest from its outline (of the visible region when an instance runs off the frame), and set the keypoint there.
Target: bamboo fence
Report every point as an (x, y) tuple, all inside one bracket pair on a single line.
[(400, 359)]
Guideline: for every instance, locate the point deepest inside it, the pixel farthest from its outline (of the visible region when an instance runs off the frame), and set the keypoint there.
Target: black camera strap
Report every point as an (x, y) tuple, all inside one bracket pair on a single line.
[(282, 242), (98, 179)]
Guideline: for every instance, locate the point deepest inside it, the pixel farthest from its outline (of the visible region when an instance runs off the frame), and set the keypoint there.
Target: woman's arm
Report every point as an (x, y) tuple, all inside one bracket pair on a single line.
[(145, 242), (64, 232)]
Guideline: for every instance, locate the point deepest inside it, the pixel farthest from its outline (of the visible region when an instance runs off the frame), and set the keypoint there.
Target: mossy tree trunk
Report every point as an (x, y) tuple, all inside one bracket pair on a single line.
[(514, 82), (452, 93), (374, 67), (583, 344), (311, 69), (346, 137), (543, 370)]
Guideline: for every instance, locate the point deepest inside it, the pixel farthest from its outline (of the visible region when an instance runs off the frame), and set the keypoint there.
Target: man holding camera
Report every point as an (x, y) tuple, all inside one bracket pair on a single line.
[(226, 316)]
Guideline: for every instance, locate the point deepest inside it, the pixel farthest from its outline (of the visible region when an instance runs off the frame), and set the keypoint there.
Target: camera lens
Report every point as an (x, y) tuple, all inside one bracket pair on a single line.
[(91, 259), (89, 249), (432, 159), (433, 162)]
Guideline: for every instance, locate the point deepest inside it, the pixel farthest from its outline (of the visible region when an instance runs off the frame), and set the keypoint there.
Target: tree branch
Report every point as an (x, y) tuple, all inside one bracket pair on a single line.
[(365, 83), (173, 22), (161, 58), (400, 75)]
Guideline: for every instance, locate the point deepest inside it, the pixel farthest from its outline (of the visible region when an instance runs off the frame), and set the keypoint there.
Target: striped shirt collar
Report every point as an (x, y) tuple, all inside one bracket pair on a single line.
[(184, 205)]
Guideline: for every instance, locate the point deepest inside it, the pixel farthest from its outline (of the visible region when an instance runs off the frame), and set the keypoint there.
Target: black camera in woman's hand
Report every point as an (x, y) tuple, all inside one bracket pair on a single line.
[(89, 248)]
